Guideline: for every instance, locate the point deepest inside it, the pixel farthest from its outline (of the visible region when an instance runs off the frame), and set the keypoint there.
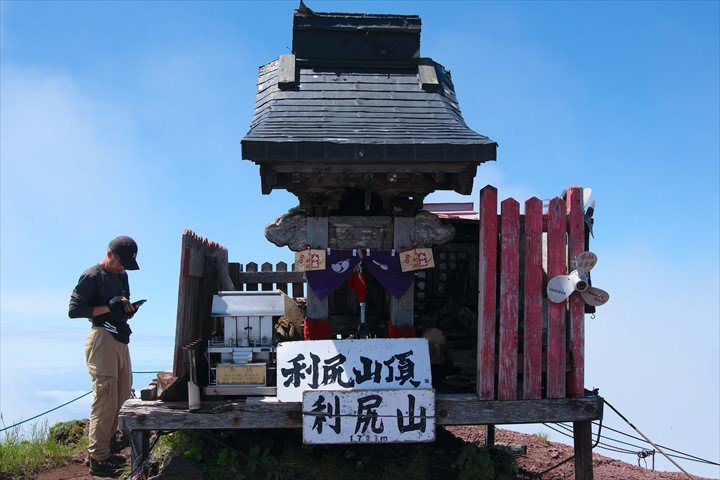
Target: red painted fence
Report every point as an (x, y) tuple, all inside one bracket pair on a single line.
[(548, 361)]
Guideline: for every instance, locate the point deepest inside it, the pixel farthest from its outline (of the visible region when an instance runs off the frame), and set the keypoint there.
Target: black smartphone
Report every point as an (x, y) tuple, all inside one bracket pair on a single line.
[(138, 303)]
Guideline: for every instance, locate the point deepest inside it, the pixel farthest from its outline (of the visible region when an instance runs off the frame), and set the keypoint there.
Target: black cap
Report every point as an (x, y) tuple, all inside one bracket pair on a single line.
[(126, 250)]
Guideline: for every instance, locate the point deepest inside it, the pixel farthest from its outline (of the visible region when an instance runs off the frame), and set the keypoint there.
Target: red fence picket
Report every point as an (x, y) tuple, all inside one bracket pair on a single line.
[(532, 301), (487, 275), (509, 298), (576, 337)]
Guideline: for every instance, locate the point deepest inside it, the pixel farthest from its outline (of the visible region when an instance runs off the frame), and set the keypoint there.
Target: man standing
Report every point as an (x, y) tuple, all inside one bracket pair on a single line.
[(102, 295)]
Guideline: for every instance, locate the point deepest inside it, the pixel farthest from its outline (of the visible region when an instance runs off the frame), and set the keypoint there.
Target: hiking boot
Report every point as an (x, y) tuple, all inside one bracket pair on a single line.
[(109, 467), (117, 458)]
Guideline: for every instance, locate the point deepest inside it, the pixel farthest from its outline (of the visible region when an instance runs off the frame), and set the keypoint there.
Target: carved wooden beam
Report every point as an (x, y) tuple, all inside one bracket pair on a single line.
[(347, 232)]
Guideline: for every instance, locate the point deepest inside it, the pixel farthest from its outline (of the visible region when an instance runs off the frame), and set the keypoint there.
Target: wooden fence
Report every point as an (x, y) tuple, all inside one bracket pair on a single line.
[(512, 299), (250, 279), (201, 267)]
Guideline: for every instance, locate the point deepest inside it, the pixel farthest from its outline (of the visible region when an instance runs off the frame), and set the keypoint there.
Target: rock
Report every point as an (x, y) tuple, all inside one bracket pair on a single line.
[(179, 468)]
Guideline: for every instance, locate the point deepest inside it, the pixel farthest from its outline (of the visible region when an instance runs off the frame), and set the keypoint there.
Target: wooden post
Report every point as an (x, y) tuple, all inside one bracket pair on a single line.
[(556, 353), (401, 309), (582, 438), (487, 278), (317, 237), (139, 449), (490, 435), (509, 299), (576, 337), (532, 371)]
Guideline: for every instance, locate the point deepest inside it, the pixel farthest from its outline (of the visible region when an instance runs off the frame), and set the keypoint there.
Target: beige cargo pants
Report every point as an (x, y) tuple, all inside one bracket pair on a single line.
[(108, 362)]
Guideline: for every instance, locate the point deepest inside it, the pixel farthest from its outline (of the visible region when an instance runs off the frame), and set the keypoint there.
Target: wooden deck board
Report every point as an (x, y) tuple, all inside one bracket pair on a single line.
[(267, 412)]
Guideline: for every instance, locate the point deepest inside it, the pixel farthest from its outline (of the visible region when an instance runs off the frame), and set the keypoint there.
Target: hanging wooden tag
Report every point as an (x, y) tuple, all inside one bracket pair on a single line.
[(310, 259), (416, 259)]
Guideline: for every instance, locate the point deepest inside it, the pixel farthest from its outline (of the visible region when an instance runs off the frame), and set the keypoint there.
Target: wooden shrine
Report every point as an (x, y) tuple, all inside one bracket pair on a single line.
[(361, 129)]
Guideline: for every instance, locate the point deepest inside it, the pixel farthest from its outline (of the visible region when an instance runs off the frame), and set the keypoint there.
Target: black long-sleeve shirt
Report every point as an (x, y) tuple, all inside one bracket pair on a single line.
[(95, 288)]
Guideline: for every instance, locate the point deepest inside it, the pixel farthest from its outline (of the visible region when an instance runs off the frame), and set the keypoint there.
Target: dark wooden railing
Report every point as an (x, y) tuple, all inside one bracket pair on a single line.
[(250, 279)]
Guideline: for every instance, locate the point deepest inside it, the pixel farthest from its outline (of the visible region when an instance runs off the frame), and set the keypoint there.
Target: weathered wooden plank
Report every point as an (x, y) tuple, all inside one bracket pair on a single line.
[(467, 409), (576, 337), (149, 392), (221, 264), (286, 71), (194, 292), (532, 328), (357, 86), (267, 412), (345, 91), (401, 309), (317, 237), (193, 262), (509, 298), (487, 270), (557, 256), (376, 102), (427, 77), (354, 116), (346, 232), (308, 76), (256, 412)]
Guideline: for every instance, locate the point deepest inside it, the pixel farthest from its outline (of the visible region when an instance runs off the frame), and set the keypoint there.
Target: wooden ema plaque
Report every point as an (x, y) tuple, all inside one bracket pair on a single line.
[(416, 259), (308, 260), (241, 374)]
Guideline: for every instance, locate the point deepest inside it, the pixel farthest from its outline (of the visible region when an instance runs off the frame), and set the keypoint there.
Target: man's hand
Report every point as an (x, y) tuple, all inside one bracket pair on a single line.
[(121, 304), (117, 304)]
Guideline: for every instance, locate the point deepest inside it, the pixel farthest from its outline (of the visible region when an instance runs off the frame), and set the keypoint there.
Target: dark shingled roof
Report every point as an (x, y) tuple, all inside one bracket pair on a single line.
[(343, 104)]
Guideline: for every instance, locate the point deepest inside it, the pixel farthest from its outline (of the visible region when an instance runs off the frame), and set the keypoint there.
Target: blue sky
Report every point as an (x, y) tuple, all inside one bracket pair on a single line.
[(126, 118)]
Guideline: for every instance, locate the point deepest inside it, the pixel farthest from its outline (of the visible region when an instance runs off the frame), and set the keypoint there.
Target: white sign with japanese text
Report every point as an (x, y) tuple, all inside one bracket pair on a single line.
[(372, 364), (369, 416)]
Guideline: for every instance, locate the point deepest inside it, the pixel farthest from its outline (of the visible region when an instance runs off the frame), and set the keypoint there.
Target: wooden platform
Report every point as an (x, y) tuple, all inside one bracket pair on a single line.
[(139, 417)]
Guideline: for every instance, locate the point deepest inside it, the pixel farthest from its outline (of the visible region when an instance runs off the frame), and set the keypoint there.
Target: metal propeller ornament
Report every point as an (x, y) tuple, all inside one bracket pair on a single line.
[(559, 288)]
